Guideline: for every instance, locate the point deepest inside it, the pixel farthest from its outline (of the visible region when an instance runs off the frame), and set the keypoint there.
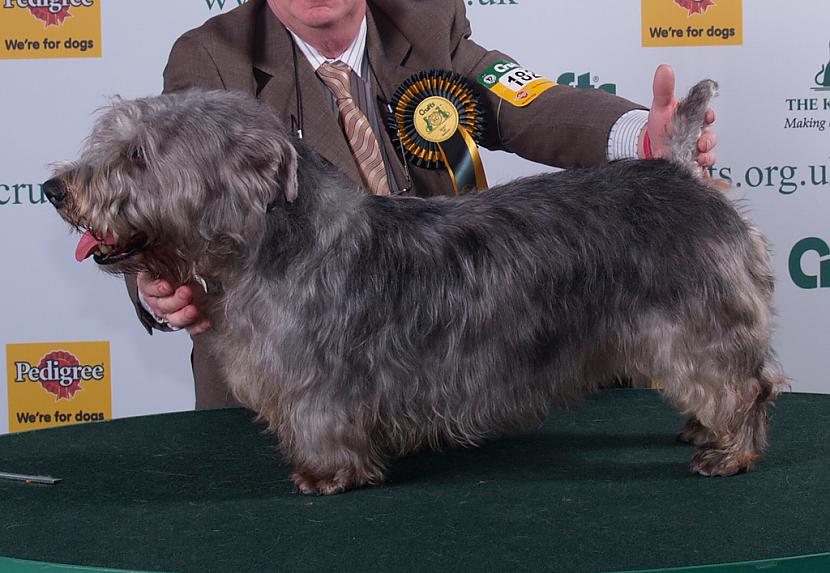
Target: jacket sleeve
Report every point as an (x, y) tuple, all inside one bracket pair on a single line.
[(563, 127)]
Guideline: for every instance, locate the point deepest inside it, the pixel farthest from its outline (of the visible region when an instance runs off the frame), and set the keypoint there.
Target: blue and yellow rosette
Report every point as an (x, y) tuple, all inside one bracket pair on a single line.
[(437, 121)]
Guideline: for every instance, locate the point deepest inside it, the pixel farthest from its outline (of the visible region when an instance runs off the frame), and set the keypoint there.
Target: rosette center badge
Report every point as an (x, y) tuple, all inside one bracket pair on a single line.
[(436, 119)]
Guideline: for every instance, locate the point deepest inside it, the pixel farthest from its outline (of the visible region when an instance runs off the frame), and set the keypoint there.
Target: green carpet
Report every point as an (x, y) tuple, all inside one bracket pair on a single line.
[(604, 487)]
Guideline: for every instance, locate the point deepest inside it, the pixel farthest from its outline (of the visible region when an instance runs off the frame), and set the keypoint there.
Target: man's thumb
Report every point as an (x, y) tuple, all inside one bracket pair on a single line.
[(663, 87)]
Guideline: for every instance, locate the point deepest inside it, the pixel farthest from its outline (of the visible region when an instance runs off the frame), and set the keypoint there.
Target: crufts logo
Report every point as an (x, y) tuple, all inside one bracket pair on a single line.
[(50, 12), (59, 373), (818, 276), (585, 81), (695, 6)]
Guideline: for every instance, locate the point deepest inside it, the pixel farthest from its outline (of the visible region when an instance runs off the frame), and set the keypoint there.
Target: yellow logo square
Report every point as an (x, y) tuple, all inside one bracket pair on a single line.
[(58, 383), (35, 29), (692, 23)]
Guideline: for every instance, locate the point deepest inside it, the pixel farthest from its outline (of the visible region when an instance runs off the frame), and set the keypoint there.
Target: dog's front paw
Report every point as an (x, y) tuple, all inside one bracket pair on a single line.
[(695, 433), (308, 485), (712, 462)]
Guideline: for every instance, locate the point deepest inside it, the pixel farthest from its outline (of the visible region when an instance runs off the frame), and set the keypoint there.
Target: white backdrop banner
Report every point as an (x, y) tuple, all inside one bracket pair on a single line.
[(74, 350)]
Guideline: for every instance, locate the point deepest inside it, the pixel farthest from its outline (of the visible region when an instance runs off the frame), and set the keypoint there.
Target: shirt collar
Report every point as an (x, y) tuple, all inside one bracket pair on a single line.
[(352, 57)]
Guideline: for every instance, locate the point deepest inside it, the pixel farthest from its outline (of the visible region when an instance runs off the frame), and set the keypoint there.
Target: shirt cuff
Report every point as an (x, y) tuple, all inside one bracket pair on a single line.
[(622, 141)]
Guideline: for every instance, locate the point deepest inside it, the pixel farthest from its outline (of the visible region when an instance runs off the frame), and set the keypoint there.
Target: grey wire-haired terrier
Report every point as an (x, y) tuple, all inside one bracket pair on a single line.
[(364, 328)]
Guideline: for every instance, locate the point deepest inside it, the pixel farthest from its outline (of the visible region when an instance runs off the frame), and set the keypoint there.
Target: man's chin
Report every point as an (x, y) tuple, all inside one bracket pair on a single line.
[(327, 13), (322, 17)]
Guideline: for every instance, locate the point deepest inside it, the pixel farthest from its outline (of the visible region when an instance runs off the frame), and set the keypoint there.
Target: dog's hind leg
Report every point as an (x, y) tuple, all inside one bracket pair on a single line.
[(718, 361), (740, 435), (727, 421)]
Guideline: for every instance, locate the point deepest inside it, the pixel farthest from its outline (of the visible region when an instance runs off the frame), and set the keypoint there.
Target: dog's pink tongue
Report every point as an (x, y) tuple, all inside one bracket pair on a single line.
[(88, 244)]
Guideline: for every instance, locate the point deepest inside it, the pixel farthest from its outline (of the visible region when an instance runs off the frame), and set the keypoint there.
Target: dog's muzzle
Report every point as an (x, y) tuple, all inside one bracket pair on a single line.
[(55, 192)]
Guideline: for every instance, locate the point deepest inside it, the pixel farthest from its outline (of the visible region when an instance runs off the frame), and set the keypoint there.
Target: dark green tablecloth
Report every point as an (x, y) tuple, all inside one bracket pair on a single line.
[(604, 487)]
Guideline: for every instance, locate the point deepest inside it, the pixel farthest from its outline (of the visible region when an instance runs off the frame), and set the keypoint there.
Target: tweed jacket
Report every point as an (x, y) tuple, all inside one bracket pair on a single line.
[(249, 50)]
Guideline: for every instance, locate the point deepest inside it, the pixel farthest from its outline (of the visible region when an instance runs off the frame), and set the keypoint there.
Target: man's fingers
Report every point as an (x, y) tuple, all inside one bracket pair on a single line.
[(167, 305), (184, 317), (707, 142), (710, 116), (706, 159), (175, 306), (663, 87), (200, 327), (150, 287)]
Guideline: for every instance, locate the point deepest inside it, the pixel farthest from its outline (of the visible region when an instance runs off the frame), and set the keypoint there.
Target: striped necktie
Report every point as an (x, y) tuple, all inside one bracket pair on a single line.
[(364, 144)]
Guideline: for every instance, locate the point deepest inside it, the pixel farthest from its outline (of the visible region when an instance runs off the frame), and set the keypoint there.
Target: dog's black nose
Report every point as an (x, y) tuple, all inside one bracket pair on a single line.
[(55, 192)]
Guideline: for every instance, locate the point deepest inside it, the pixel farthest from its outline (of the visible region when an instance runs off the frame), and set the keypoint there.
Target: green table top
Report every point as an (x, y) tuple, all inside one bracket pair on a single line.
[(604, 487)]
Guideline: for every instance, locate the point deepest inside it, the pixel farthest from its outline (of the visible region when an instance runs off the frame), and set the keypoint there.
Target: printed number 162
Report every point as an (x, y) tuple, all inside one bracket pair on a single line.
[(519, 78)]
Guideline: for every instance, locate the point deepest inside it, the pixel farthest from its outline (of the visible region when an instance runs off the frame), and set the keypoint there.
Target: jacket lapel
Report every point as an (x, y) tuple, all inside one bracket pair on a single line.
[(273, 60), (387, 50)]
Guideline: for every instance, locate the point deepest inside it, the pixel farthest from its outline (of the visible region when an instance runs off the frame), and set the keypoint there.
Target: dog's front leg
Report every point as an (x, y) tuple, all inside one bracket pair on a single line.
[(332, 449)]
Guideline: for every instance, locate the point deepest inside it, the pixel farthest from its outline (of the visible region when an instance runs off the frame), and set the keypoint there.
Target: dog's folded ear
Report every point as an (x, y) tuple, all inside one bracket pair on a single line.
[(286, 160), (267, 150)]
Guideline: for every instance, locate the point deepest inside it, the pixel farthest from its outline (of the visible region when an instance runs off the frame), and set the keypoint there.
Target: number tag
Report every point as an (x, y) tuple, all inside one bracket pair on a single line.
[(513, 83)]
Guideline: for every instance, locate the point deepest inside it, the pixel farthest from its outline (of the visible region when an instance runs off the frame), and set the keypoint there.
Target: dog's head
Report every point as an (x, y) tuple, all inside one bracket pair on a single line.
[(177, 184)]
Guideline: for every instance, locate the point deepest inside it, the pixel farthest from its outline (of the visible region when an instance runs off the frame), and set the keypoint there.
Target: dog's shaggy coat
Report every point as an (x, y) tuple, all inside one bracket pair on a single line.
[(363, 328)]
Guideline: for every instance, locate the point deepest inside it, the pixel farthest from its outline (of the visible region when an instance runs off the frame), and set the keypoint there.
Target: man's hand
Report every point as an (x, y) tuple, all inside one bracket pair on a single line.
[(660, 116), (176, 306)]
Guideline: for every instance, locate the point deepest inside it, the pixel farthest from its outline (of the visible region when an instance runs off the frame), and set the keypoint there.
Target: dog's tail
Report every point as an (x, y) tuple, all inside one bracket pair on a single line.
[(687, 125)]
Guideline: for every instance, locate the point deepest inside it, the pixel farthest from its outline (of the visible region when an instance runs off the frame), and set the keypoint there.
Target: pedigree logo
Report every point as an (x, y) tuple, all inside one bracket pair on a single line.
[(221, 5), (489, 3), (54, 384), (695, 6), (692, 23), (36, 29)]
